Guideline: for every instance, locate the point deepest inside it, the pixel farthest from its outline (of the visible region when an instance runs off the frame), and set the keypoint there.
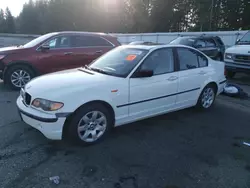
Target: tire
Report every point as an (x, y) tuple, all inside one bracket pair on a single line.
[(89, 128), (206, 98), (230, 74), (11, 73)]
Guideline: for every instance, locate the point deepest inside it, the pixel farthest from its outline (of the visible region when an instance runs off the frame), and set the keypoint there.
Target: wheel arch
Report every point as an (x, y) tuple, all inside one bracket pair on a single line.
[(213, 83), (22, 63), (102, 102)]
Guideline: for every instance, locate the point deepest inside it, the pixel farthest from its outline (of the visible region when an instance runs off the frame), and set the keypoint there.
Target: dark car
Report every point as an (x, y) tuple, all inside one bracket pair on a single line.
[(144, 43), (50, 53), (212, 46)]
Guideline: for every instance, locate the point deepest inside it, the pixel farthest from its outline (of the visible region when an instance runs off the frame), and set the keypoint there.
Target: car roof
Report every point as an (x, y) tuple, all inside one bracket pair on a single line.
[(82, 32), (200, 37), (153, 47)]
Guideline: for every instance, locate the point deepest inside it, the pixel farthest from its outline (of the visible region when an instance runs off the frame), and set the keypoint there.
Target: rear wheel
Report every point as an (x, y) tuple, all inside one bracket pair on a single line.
[(207, 97), (90, 124), (18, 76)]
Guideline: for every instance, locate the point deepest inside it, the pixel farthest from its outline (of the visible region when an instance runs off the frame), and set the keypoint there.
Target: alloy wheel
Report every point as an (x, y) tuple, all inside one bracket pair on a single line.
[(92, 126), (207, 98), (19, 78)]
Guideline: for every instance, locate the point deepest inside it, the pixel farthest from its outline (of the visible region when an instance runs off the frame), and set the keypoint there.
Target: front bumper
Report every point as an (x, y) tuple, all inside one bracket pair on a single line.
[(221, 86), (237, 67), (49, 125)]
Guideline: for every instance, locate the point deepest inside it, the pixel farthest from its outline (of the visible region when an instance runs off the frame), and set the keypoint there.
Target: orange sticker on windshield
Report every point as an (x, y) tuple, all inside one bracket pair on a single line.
[(130, 57)]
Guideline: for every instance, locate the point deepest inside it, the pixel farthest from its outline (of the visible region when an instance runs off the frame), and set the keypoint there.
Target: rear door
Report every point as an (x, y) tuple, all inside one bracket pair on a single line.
[(88, 48), (193, 72)]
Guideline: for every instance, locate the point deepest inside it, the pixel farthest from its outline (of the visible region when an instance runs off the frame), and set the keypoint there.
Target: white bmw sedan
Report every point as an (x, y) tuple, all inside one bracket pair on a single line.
[(127, 84)]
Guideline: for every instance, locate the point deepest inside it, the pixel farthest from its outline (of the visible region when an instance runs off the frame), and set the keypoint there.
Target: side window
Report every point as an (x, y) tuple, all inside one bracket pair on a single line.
[(59, 42), (52, 43), (203, 62), (200, 43), (187, 58), (210, 43), (78, 41), (160, 61), (89, 41), (98, 41)]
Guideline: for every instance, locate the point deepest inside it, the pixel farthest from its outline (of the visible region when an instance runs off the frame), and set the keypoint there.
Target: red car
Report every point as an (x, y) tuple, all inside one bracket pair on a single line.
[(50, 53)]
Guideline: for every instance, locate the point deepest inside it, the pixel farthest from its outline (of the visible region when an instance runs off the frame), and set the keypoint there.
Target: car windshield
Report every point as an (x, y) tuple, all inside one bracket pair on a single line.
[(183, 41), (38, 40), (245, 39), (119, 61)]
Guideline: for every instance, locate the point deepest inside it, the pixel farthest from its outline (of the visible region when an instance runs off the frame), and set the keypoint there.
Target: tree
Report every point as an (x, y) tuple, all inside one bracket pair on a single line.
[(2, 21), (43, 16), (9, 22)]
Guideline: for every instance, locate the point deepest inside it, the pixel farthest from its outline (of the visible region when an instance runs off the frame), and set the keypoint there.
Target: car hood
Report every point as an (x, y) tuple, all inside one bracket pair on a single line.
[(59, 83), (10, 49), (239, 49)]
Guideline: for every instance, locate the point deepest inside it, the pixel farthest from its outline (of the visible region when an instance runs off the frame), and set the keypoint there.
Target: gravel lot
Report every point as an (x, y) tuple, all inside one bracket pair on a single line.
[(186, 149)]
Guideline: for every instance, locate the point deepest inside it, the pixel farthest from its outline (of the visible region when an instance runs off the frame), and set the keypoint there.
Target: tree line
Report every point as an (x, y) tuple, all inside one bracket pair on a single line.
[(127, 16)]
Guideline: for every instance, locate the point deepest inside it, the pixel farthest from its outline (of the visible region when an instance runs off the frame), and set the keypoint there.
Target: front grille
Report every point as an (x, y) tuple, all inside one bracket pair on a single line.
[(242, 58), (27, 98)]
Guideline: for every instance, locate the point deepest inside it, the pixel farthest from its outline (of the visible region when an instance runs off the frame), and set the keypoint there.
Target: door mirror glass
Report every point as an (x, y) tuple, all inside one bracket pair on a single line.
[(144, 73)]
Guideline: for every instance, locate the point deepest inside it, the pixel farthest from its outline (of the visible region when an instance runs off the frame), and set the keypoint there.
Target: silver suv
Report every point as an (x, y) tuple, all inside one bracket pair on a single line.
[(237, 57)]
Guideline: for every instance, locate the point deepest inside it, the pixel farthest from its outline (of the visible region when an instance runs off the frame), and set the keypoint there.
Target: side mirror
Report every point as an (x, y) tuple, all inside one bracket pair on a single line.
[(144, 73), (45, 47), (237, 41)]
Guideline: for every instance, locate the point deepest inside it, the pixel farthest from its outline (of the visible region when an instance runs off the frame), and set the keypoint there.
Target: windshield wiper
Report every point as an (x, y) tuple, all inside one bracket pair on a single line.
[(87, 67), (100, 71)]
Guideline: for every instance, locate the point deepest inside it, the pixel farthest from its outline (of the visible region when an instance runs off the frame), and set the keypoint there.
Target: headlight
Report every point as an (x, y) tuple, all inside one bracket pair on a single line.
[(228, 56), (47, 105)]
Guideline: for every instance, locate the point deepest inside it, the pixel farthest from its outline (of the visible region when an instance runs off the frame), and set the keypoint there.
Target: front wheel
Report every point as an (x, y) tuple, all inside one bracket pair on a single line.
[(90, 124), (207, 97), (18, 76)]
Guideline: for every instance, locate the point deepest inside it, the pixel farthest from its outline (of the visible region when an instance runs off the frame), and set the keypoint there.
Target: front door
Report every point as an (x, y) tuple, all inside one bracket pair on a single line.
[(156, 94), (59, 56)]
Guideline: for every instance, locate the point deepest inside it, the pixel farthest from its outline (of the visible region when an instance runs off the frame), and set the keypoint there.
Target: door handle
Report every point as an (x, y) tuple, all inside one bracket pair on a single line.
[(172, 78), (99, 52), (68, 53), (202, 72)]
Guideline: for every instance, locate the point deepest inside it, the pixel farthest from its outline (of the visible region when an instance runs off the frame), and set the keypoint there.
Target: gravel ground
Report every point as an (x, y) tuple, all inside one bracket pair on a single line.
[(186, 149)]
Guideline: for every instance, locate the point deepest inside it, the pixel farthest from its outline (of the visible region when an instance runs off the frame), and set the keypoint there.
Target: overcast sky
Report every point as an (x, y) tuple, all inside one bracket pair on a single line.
[(15, 6)]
